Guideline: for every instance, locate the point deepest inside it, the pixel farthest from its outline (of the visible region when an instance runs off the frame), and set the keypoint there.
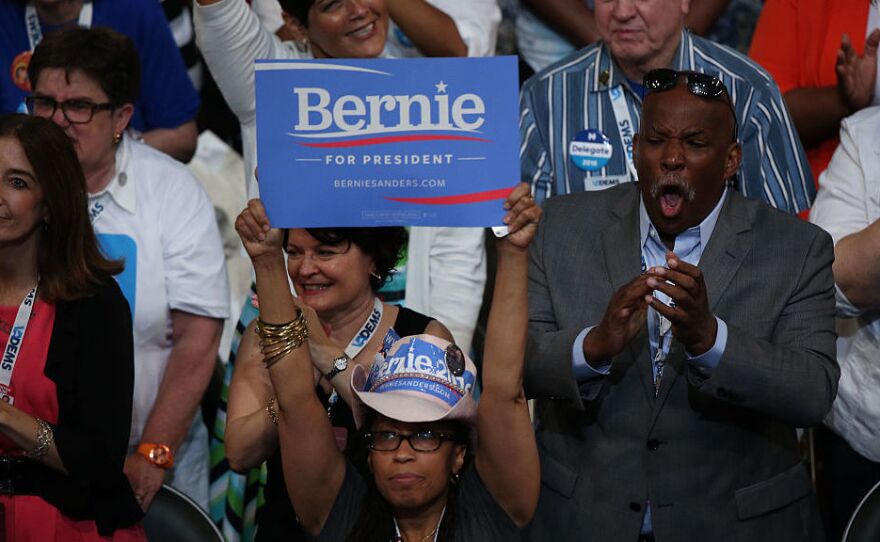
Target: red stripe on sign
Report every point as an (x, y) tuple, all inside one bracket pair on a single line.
[(392, 139), (475, 197)]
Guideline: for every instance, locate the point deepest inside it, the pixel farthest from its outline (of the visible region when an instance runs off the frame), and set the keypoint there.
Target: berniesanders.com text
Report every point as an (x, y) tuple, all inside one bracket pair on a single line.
[(345, 184)]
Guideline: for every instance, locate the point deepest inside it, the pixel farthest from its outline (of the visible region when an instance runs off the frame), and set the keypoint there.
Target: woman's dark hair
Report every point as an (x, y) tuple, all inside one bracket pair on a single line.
[(384, 245), (68, 258), (375, 522), (104, 55), (298, 8)]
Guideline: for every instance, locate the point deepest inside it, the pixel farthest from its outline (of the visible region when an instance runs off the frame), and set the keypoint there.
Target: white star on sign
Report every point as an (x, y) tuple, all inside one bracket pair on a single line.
[(441, 87)]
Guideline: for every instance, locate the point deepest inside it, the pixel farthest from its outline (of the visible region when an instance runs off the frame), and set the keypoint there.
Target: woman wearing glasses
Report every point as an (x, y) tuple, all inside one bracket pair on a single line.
[(148, 210), (67, 371), (337, 273), (428, 481)]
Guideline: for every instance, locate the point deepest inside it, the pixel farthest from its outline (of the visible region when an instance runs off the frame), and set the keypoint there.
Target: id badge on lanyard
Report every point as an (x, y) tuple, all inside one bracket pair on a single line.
[(13, 345), (625, 127), (367, 330), (357, 344)]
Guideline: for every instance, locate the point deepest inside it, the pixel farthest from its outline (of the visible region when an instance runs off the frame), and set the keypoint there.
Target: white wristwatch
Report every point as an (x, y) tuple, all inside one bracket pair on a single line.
[(339, 364)]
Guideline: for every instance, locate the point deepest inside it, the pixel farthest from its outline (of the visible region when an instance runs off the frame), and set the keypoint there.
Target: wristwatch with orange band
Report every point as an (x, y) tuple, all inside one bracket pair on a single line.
[(158, 454)]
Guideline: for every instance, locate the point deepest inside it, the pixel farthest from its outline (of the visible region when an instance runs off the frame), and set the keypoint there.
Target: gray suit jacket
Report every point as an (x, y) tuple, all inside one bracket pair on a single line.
[(716, 454)]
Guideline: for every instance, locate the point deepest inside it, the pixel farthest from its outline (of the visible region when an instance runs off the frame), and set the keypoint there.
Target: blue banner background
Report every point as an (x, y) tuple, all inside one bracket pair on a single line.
[(334, 181)]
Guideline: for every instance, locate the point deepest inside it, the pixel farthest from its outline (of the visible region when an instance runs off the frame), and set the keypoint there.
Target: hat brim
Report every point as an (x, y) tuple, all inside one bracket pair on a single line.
[(405, 406)]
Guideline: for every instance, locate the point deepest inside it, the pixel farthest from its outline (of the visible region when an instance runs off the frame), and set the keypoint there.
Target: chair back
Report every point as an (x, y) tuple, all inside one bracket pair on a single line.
[(174, 517), (864, 525)]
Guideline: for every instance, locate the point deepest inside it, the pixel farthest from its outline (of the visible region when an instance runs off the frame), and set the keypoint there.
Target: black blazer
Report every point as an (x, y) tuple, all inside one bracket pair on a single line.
[(91, 361)]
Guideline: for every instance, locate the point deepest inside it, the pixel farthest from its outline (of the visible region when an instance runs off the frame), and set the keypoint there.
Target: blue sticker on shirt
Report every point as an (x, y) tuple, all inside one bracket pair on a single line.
[(590, 150), (402, 38), (122, 247)]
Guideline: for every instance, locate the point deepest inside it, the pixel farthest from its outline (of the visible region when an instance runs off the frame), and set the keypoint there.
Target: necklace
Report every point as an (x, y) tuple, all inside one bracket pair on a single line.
[(432, 535)]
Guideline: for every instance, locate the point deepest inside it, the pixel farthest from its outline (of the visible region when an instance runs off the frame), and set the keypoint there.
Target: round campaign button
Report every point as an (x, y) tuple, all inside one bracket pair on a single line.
[(590, 150), (18, 71)]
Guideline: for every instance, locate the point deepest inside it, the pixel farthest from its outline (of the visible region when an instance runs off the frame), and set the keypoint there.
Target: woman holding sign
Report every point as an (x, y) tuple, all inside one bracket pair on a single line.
[(446, 271), (67, 372), (445, 267), (335, 272), (415, 408)]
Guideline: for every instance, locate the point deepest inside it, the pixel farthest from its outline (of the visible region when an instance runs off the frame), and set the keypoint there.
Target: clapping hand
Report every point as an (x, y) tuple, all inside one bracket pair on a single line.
[(692, 322), (856, 74), (624, 317)]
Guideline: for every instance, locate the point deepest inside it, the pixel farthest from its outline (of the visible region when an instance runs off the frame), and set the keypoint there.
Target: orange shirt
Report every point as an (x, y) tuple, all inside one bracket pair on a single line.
[(797, 42)]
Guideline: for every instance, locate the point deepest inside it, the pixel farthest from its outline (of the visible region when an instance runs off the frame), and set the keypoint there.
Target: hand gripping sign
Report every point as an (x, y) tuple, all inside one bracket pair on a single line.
[(378, 142)]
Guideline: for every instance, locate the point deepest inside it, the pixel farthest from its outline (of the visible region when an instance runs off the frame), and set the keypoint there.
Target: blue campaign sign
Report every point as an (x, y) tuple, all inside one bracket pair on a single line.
[(413, 142)]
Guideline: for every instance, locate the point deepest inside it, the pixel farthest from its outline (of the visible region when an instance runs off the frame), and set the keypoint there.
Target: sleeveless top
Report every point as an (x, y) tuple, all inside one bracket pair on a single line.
[(276, 520)]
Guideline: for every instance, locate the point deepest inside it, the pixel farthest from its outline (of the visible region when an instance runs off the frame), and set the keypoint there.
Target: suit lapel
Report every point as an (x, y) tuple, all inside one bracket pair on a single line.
[(620, 241), (722, 257), (727, 248)]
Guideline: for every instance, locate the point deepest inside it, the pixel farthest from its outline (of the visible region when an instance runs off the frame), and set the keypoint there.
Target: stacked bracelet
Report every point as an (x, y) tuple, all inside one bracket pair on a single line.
[(277, 340), (45, 438), (270, 410)]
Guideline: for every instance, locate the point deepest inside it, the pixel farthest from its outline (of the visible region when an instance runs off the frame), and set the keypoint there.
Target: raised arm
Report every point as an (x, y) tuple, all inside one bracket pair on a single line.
[(250, 436), (230, 37), (507, 458), (313, 467)]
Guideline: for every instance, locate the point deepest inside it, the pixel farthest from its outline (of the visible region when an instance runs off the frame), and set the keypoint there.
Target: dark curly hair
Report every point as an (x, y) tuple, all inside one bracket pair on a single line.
[(384, 245), (298, 8)]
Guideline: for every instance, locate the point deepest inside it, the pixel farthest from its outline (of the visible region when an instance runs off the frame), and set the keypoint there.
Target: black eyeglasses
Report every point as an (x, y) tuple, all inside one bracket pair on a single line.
[(422, 441), (699, 84), (75, 111)]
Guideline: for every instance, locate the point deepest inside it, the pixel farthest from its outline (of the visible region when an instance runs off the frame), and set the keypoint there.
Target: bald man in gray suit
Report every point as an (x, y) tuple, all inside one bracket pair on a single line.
[(679, 333)]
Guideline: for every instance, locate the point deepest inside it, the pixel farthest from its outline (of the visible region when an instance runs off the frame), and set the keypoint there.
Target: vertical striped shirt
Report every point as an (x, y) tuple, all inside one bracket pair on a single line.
[(574, 94)]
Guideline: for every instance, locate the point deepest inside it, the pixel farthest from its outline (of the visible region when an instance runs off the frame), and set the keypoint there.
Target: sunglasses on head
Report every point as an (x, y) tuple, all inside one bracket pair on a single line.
[(699, 84)]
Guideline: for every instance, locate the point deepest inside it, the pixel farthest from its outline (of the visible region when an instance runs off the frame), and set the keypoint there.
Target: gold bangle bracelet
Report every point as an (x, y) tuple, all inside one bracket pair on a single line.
[(271, 411), (278, 340)]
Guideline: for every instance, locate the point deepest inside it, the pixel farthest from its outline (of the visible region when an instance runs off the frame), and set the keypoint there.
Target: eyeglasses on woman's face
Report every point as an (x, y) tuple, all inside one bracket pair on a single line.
[(76, 111), (421, 441)]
